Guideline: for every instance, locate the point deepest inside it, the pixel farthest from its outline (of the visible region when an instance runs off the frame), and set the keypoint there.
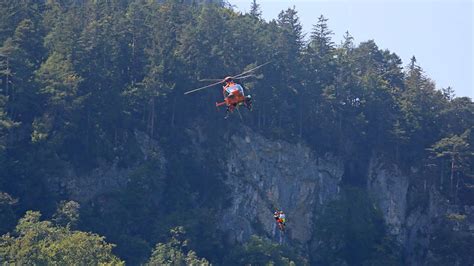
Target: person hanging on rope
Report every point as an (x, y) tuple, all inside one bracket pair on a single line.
[(280, 219)]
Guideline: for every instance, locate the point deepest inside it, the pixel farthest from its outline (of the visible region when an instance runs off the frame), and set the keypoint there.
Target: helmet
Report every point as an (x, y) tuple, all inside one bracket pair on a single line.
[(228, 79)]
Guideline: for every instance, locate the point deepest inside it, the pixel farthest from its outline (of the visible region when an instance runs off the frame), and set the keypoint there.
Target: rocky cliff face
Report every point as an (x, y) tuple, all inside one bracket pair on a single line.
[(264, 175), (389, 186), (417, 223)]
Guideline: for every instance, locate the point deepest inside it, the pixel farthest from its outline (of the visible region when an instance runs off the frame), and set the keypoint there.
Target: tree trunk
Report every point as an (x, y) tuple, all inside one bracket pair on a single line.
[(397, 151), (151, 117), (452, 173), (174, 112), (442, 175), (133, 59), (300, 133), (259, 117), (8, 74), (264, 115), (457, 188), (115, 138), (87, 131)]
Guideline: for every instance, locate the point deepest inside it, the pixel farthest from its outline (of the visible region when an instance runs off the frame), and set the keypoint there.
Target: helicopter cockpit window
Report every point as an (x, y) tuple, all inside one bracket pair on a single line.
[(235, 87)]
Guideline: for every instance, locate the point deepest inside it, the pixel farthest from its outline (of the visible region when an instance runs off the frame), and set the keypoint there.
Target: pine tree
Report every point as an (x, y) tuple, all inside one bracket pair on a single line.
[(59, 83), (320, 75), (320, 39), (21, 55), (255, 10), (348, 43), (417, 103), (14, 12), (289, 46), (455, 151)]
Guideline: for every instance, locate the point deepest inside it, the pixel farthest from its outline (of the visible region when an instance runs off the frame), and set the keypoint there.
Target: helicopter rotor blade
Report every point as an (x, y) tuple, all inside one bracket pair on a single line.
[(250, 70), (205, 87), (211, 80), (246, 76), (242, 75)]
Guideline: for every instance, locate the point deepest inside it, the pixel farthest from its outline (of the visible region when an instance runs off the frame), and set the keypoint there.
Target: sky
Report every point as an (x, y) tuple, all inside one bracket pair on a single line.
[(439, 33)]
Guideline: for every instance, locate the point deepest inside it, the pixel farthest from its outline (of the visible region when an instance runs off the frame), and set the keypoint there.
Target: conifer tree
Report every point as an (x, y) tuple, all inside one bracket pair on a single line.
[(255, 10), (456, 152), (289, 46)]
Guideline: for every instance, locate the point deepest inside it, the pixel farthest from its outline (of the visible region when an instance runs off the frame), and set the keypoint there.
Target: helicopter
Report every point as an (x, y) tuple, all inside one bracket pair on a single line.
[(233, 92)]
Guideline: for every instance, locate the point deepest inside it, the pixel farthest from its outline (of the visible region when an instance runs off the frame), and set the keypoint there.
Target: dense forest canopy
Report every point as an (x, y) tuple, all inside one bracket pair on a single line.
[(80, 79)]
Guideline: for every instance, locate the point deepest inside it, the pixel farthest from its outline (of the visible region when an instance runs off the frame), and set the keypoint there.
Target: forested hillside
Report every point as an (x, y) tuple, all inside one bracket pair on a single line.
[(103, 159)]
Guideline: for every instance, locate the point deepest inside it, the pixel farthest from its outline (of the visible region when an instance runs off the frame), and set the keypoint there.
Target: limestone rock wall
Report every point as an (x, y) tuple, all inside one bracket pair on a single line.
[(264, 175)]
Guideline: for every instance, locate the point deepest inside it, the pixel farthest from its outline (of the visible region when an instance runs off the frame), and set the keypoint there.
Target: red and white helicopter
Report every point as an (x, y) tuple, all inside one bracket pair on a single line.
[(233, 92)]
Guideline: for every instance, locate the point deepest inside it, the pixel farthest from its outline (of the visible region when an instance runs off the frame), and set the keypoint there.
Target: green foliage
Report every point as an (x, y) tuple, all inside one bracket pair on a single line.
[(13, 12), (321, 42), (259, 251), (20, 56), (255, 10), (174, 251), (59, 81), (455, 155), (6, 124), (67, 214), (59, 85), (40, 242), (455, 148)]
